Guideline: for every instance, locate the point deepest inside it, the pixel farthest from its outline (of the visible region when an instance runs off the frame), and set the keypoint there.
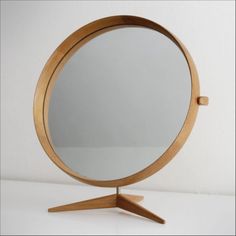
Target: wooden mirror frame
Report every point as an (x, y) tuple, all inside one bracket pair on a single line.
[(59, 58)]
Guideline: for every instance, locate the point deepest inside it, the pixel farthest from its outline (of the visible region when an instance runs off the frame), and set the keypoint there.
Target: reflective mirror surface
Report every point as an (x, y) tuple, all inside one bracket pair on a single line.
[(119, 103)]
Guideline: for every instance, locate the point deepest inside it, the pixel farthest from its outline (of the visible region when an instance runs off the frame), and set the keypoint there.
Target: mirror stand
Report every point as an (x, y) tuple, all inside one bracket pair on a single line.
[(126, 202)]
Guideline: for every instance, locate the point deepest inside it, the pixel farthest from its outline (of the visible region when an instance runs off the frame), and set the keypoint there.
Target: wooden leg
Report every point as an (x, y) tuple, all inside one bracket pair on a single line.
[(126, 204), (124, 201), (135, 198), (96, 203)]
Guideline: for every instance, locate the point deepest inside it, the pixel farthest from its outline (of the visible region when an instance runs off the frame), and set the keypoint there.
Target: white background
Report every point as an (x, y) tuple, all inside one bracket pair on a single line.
[(30, 32)]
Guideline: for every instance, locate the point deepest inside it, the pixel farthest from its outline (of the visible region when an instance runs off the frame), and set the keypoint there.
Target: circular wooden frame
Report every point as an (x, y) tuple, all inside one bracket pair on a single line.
[(56, 62)]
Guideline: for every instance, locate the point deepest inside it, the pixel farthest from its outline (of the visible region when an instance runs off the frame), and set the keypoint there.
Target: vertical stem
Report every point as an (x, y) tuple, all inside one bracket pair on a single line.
[(117, 190)]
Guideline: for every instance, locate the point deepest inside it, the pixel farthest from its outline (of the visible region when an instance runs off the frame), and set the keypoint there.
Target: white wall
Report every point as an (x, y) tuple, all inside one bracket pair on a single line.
[(30, 31)]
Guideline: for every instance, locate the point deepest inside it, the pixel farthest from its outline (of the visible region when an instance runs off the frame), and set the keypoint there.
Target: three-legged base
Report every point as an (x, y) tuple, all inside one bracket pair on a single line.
[(124, 201)]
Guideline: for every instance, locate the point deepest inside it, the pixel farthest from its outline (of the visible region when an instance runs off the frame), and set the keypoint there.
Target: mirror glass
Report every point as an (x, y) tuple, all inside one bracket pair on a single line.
[(119, 103)]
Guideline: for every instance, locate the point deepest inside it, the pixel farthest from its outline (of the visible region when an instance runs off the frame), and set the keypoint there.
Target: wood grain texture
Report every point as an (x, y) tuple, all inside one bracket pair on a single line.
[(96, 203), (126, 202), (56, 62), (134, 198)]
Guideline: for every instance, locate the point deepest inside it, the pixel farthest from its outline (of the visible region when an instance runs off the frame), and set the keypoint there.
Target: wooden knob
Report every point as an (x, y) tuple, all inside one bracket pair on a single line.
[(202, 100)]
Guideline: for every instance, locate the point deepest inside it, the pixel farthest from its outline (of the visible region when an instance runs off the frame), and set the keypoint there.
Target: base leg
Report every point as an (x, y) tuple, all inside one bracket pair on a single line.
[(96, 203), (135, 198), (126, 204)]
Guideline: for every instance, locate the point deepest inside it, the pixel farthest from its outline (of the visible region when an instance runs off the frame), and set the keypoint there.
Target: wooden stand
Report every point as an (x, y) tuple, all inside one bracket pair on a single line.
[(124, 201)]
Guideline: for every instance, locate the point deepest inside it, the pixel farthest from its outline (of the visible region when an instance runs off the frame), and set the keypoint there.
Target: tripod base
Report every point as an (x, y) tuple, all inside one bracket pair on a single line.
[(124, 201)]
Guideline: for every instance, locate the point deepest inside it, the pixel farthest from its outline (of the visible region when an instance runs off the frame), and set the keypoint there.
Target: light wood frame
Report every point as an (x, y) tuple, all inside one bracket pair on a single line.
[(56, 62)]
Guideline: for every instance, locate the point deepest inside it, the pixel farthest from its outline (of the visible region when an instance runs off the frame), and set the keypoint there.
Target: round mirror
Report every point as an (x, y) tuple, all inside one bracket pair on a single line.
[(119, 103), (117, 100)]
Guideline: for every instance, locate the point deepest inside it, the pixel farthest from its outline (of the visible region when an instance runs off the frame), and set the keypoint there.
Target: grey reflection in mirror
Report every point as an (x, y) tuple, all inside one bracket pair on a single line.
[(119, 103)]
